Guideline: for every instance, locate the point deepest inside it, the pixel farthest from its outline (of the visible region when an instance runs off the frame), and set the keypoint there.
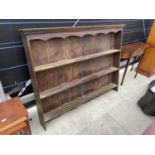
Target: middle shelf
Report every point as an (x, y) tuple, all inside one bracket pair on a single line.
[(74, 60), (77, 82)]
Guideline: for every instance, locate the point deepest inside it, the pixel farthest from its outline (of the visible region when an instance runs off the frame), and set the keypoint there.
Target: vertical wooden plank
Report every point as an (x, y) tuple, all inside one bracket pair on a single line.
[(112, 40), (87, 44), (75, 47), (76, 92), (99, 42), (102, 81), (50, 103), (42, 77), (89, 87), (75, 70), (40, 54), (86, 68), (54, 49), (64, 97)]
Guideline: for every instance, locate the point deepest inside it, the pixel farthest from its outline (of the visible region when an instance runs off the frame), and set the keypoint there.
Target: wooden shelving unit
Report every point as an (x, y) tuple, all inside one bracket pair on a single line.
[(69, 66)]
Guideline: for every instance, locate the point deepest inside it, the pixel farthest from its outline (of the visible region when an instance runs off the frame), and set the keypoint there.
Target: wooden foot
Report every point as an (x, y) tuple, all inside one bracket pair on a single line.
[(26, 131), (116, 89)]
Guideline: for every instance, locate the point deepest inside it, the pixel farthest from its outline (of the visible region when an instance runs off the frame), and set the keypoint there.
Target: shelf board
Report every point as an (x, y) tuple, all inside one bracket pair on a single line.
[(72, 104), (75, 60), (77, 82)]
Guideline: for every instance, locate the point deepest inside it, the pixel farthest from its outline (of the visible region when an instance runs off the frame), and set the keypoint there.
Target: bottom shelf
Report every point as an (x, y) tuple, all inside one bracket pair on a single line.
[(70, 105)]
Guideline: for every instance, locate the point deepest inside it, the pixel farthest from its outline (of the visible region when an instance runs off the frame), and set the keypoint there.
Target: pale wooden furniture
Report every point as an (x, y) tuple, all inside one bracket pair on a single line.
[(69, 66), (129, 51), (13, 118), (147, 65)]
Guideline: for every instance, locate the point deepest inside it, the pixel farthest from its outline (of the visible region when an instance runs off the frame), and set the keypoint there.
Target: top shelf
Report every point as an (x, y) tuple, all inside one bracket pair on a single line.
[(74, 60)]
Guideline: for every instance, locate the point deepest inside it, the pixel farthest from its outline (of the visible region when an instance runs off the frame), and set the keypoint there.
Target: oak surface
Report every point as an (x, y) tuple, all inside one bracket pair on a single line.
[(13, 117), (69, 66), (147, 65)]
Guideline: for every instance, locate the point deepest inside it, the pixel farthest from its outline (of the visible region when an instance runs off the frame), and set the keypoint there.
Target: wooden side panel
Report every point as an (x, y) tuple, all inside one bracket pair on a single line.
[(151, 38), (147, 65)]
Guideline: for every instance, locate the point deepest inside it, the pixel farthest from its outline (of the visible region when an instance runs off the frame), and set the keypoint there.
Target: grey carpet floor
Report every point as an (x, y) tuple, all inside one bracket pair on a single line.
[(114, 113)]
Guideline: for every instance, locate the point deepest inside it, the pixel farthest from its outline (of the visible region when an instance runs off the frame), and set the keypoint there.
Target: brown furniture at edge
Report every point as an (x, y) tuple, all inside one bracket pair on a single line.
[(129, 51), (69, 66), (147, 65), (13, 118)]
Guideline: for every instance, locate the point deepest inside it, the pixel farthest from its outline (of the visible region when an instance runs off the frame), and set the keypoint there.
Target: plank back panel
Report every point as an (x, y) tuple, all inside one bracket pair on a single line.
[(70, 66)]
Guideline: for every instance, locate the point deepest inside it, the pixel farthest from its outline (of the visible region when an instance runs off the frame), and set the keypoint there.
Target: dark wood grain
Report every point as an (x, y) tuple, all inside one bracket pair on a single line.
[(74, 103), (70, 66), (75, 60), (74, 83)]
